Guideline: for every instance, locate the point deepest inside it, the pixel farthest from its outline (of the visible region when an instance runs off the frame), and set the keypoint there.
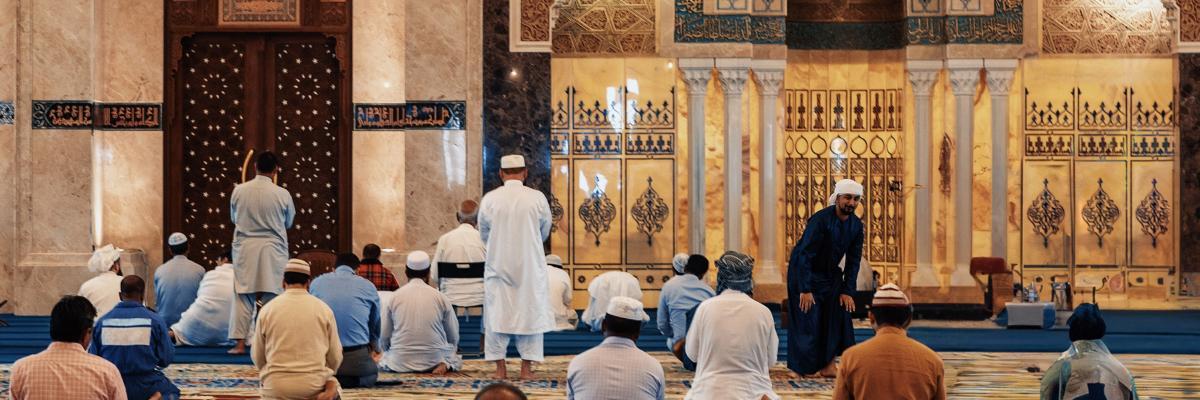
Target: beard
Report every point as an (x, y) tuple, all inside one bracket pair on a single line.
[(847, 209)]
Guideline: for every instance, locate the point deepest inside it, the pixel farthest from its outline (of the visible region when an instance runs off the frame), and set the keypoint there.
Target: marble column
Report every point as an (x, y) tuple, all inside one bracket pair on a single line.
[(696, 74), (999, 80), (732, 73), (769, 76), (964, 80), (923, 74)]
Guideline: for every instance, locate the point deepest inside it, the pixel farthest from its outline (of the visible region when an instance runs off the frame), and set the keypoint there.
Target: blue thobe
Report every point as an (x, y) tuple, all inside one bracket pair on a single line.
[(176, 283), (135, 340), (355, 305), (262, 213), (679, 295), (815, 338)]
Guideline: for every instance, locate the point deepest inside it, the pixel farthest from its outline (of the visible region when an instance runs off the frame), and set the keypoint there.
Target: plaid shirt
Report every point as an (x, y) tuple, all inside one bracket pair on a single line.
[(65, 371), (380, 276)]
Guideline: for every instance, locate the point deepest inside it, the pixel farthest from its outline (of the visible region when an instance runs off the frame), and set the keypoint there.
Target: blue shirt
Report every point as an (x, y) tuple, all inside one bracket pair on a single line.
[(679, 295), (133, 338), (615, 369), (175, 285), (355, 305)]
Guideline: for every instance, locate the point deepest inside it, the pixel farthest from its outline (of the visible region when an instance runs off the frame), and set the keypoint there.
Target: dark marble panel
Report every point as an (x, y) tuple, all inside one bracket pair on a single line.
[(845, 36), (7, 113), (516, 103), (1189, 162)]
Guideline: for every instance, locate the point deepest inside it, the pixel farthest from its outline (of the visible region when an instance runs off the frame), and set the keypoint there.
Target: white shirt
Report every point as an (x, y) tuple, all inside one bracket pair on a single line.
[(206, 321), (615, 370), (733, 340), (262, 213), (103, 291), (460, 245), (560, 294), (514, 220), (606, 286), (421, 331)]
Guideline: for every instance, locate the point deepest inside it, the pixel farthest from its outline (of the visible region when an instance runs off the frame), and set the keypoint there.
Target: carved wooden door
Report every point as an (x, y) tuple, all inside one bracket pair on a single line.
[(236, 95)]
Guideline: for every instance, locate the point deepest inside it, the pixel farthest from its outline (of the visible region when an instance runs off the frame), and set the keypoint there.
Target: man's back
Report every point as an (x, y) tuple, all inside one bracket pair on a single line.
[(261, 209), (460, 245), (890, 365), (422, 328), (176, 284), (617, 370), (679, 295), (513, 222), (560, 295), (604, 287), (102, 290), (295, 329), (206, 321), (733, 340), (65, 371), (356, 305), (133, 338)]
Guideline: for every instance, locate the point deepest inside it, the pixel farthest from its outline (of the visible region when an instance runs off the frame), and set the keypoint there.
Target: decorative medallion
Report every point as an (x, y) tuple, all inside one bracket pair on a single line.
[(1046, 214), (556, 212), (260, 12), (65, 114), (7, 113), (598, 211), (944, 168), (129, 116), (415, 115), (1100, 213), (649, 212), (1154, 213)]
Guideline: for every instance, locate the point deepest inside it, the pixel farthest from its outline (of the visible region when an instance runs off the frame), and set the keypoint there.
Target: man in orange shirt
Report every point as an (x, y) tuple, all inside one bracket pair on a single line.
[(890, 365), (65, 370)]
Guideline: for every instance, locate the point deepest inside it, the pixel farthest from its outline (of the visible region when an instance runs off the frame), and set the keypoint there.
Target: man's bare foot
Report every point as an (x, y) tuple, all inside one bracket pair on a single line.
[(239, 347), (441, 369), (830, 371), (501, 371), (526, 370), (793, 375)]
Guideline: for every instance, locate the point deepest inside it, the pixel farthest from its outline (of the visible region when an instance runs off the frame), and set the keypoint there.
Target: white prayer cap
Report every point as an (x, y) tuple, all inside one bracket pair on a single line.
[(176, 239), (626, 307), (845, 186), (512, 161), (103, 258), (554, 260), (418, 261), (299, 266), (679, 262), (889, 295)]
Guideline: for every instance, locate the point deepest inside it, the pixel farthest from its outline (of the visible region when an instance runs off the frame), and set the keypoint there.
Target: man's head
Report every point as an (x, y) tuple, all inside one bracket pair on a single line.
[(417, 266), (347, 259), (734, 271), (226, 257), (178, 243), (846, 195), (372, 252), (296, 274), (500, 391), (104, 259), (697, 265), (624, 318), (468, 212), (133, 288), (1086, 323), (679, 262), (72, 319), (266, 163), (512, 167), (554, 260), (890, 307)]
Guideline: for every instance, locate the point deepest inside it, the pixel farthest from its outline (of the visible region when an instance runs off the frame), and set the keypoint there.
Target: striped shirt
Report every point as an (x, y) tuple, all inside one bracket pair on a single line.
[(616, 369), (64, 371)]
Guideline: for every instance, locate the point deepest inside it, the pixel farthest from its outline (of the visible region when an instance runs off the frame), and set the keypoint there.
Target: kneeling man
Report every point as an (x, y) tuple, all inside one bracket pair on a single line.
[(421, 334)]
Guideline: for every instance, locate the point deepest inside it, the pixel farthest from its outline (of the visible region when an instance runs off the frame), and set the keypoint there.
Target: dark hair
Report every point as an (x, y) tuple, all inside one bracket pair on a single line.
[(371, 251), (71, 318), (621, 326), (266, 162), (501, 387), (179, 249), (898, 317), (512, 171), (228, 255), (414, 274), (133, 286), (1086, 323), (696, 265), (347, 259), (295, 278)]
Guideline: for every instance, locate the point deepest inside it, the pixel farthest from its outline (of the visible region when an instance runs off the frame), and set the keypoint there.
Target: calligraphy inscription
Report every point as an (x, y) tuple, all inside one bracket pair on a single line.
[(129, 116), (7, 113), (65, 114), (414, 115)]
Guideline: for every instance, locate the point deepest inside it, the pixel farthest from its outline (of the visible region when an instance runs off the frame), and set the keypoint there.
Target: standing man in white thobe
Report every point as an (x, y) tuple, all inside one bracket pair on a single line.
[(262, 213), (514, 221)]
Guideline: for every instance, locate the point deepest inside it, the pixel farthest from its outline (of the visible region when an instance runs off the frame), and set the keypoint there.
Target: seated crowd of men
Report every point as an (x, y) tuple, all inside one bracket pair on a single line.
[(341, 328)]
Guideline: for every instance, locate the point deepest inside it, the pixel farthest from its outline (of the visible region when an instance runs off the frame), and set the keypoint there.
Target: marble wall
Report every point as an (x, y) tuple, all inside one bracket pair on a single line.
[(8, 197)]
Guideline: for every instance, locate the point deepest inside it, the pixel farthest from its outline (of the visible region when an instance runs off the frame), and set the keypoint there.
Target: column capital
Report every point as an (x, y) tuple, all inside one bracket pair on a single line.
[(696, 74), (922, 81), (1000, 75), (769, 81), (964, 76), (733, 73)]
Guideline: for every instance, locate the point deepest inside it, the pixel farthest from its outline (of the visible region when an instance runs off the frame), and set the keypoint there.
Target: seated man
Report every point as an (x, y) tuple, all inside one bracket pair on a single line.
[(463, 245), (206, 321), (890, 365), (1087, 370), (296, 346), (421, 334), (679, 295), (355, 305), (500, 391), (104, 289), (177, 281), (41, 376), (560, 294), (616, 369), (732, 338), (606, 286), (371, 269), (135, 340)]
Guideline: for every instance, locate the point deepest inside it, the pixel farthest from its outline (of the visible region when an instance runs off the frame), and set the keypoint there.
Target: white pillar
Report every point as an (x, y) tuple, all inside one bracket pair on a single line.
[(696, 74), (769, 75), (999, 79), (964, 80), (732, 73), (924, 74)]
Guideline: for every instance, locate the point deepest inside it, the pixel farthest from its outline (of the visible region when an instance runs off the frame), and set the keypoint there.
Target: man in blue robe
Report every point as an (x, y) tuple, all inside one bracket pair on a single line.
[(820, 295), (135, 339)]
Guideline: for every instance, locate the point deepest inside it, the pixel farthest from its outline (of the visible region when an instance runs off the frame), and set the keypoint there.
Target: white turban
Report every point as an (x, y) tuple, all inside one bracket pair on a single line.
[(845, 186), (679, 262), (103, 258)]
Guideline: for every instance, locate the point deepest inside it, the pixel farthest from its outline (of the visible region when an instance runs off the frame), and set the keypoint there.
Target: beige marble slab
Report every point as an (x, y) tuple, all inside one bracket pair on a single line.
[(61, 49), (435, 183), (59, 200), (132, 190), (8, 49), (379, 190), (379, 51), (129, 56), (435, 46), (8, 201)]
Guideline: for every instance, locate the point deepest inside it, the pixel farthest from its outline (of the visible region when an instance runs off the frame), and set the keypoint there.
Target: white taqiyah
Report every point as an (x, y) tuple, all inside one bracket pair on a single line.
[(626, 307)]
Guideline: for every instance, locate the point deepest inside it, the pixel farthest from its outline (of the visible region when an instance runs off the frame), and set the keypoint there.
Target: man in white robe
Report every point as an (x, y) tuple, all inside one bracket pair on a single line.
[(560, 294), (103, 290), (462, 246), (604, 287), (421, 332), (206, 321), (262, 213), (514, 221)]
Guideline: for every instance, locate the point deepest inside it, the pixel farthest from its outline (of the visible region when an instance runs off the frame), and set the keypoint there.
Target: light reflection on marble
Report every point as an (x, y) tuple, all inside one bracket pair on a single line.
[(130, 58), (132, 190), (8, 201), (379, 65), (434, 185), (379, 189)]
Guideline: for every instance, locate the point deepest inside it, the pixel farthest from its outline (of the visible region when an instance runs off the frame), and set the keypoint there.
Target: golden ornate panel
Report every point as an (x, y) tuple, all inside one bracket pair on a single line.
[(1152, 196), (596, 202), (1101, 213), (1045, 204)]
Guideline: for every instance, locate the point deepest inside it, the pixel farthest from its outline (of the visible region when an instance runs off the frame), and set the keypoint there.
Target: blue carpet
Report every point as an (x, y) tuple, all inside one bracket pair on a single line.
[(1136, 332)]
